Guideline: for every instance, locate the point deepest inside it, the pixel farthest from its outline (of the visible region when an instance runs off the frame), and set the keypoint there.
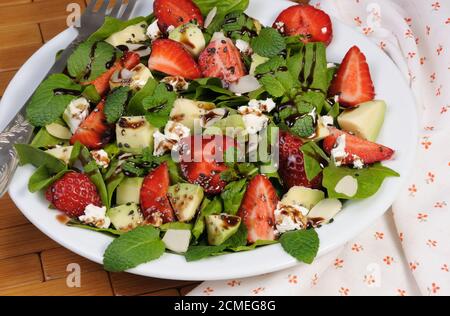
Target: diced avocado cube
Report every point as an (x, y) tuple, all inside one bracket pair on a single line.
[(186, 111), (185, 199), (191, 36), (177, 240), (129, 190), (129, 35), (303, 196), (134, 133), (220, 227), (62, 153), (125, 217)]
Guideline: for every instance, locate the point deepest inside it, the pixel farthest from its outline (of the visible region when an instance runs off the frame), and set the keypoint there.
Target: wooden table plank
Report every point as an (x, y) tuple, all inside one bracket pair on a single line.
[(92, 284), (35, 12), (12, 2), (20, 271), (130, 284), (50, 29), (170, 292), (55, 261), (185, 290), (5, 78), (10, 215), (19, 35), (22, 240), (12, 58)]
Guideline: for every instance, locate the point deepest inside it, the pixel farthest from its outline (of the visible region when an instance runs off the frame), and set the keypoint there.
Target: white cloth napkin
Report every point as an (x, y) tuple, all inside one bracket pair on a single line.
[(406, 252)]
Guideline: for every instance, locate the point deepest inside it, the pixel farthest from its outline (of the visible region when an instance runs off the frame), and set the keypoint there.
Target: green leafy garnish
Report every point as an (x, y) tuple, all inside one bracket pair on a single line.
[(115, 104), (51, 99), (113, 25), (369, 180), (268, 43), (232, 196), (312, 155), (159, 105), (303, 245), (207, 208), (272, 86), (133, 248), (135, 106), (303, 126), (109, 231)]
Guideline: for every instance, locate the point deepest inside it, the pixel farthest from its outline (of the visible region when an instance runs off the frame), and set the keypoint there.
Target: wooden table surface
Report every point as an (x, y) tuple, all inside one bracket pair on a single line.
[(30, 262)]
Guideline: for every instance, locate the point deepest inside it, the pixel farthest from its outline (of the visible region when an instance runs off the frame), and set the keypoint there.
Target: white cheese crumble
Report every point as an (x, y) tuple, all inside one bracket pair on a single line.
[(170, 28), (173, 133), (338, 153), (254, 119), (358, 163), (176, 131), (331, 65), (266, 105), (290, 217), (178, 83), (96, 216), (140, 75), (101, 158), (244, 47), (280, 26), (327, 120), (75, 113), (212, 116), (153, 31)]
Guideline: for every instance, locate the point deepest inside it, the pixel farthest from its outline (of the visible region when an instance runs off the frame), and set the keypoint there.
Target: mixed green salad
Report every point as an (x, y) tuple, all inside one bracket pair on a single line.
[(199, 131)]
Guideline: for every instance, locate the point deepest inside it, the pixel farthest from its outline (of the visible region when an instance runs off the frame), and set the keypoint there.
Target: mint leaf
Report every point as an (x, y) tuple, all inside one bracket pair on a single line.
[(79, 60), (369, 180), (50, 99), (159, 105), (195, 253), (133, 248), (272, 86), (320, 73), (223, 6), (135, 106), (104, 54), (268, 43), (303, 245), (256, 244), (115, 104), (232, 196), (272, 65), (303, 126), (312, 155), (307, 101)]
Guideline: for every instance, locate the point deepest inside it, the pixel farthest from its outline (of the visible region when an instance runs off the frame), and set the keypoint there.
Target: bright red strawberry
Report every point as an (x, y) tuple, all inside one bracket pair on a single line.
[(303, 19), (257, 209), (356, 147), (72, 193), (176, 12), (129, 60), (172, 58), (353, 83), (198, 161), (155, 204), (94, 132), (292, 167), (221, 59)]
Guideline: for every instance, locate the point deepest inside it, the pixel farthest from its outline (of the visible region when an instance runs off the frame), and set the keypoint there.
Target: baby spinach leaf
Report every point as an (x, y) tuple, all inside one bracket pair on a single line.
[(31, 155), (113, 25), (232, 196), (43, 178), (312, 155)]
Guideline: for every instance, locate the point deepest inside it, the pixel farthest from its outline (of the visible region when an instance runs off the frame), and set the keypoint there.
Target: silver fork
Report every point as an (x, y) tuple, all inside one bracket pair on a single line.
[(19, 130)]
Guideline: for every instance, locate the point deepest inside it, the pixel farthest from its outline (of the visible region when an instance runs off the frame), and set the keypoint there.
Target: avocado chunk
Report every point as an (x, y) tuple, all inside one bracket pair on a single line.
[(177, 240), (129, 190), (130, 35), (186, 111), (125, 217), (220, 227), (191, 36), (232, 126), (185, 199), (303, 196), (256, 61), (62, 153), (365, 121), (134, 133)]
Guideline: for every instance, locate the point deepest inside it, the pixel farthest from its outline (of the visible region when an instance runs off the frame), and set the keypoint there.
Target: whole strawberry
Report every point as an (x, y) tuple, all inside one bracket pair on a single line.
[(292, 165), (72, 193)]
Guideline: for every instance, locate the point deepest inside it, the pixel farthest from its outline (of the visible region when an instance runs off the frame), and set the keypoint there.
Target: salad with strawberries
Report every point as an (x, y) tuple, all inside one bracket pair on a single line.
[(199, 131)]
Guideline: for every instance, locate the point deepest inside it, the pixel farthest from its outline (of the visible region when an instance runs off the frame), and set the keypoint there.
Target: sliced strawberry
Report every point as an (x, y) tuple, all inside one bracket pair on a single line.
[(221, 59), (303, 19), (292, 166), (176, 12), (94, 132), (257, 209), (199, 158), (172, 58), (353, 83), (129, 60), (356, 147), (155, 204)]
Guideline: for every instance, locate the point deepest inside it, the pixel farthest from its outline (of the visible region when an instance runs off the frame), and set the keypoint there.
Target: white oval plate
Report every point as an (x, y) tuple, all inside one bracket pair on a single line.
[(399, 132)]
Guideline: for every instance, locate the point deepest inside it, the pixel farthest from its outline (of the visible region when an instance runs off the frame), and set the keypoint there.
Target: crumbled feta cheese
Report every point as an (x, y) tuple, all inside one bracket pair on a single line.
[(336, 98), (153, 31), (244, 47), (254, 119), (170, 28), (139, 77), (75, 113), (96, 216), (358, 163), (176, 131), (178, 83), (162, 144), (266, 105), (331, 65), (173, 133), (327, 120), (290, 217), (211, 117), (101, 158), (338, 153), (280, 26)]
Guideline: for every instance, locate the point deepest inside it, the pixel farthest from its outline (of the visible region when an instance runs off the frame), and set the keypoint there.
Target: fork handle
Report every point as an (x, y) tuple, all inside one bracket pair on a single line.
[(17, 131)]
